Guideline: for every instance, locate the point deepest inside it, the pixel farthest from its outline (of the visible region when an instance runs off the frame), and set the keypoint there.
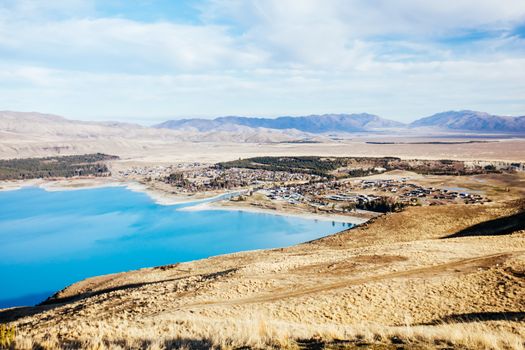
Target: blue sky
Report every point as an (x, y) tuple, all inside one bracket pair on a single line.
[(146, 61)]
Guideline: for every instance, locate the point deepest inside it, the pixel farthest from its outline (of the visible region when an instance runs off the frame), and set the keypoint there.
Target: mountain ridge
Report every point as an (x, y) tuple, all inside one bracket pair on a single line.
[(453, 121), (468, 120), (34, 133), (314, 124), (296, 127)]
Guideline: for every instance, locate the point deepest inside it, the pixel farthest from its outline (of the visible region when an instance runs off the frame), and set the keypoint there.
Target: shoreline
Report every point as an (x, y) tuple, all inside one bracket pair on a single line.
[(158, 196), (312, 216), (162, 198)]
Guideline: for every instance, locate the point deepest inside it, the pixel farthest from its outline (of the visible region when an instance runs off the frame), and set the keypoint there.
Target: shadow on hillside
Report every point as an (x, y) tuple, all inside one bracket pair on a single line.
[(16, 313), (175, 343), (500, 226), (513, 316)]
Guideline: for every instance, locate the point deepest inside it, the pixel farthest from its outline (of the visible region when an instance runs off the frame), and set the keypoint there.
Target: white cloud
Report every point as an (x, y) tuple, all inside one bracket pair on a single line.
[(38, 10), (347, 33), (367, 18), (399, 90), (119, 44), (263, 57)]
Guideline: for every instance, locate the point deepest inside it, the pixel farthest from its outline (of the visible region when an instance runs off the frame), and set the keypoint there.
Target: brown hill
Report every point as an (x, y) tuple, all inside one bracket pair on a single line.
[(35, 134), (396, 282)]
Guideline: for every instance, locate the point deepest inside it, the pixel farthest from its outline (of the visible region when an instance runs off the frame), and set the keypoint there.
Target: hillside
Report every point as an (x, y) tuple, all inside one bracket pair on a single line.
[(42, 125), (34, 134), (453, 121), (472, 121), (312, 124), (398, 281), (37, 135)]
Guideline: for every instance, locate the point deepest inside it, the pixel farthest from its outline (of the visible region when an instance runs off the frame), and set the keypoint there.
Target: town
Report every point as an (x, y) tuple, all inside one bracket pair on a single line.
[(191, 178), (375, 195), (314, 191)]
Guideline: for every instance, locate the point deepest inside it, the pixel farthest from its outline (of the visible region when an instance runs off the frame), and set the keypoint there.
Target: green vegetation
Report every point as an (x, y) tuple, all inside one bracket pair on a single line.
[(7, 336), (176, 179), (382, 205), (60, 166), (361, 172), (311, 165), (355, 166)]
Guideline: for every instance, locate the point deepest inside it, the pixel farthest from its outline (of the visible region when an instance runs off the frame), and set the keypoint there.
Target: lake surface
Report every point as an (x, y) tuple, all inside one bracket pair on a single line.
[(49, 240)]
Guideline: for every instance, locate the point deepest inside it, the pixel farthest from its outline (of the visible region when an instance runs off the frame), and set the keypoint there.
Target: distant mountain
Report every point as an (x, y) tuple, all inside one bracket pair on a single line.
[(468, 121), (27, 134), (472, 121), (35, 134), (33, 124), (314, 124)]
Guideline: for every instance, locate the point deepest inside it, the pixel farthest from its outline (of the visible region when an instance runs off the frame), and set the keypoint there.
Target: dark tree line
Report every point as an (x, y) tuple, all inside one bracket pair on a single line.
[(361, 166), (60, 166), (310, 165), (382, 205)]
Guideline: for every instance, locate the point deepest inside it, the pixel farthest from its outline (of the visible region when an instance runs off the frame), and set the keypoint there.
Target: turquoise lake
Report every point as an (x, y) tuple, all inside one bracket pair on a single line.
[(49, 240)]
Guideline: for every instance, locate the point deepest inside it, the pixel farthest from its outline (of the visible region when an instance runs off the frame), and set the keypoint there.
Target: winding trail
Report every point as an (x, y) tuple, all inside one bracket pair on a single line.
[(454, 267)]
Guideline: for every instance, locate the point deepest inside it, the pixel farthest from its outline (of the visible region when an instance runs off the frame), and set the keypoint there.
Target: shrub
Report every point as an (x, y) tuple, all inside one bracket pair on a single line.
[(382, 205)]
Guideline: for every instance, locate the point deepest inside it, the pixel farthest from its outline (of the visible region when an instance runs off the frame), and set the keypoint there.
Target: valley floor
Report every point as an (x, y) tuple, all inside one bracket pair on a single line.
[(144, 152)]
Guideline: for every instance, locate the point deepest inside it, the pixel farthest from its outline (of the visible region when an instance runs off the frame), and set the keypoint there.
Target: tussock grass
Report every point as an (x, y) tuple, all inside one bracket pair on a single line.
[(7, 335), (262, 333)]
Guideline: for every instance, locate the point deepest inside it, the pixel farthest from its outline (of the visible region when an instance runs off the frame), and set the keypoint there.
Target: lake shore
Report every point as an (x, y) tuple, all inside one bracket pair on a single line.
[(400, 278), (356, 220), (158, 196), (141, 234), (165, 198)]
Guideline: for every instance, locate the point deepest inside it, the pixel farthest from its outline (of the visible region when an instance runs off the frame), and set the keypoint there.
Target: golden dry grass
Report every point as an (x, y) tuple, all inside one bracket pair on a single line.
[(258, 333), (394, 282)]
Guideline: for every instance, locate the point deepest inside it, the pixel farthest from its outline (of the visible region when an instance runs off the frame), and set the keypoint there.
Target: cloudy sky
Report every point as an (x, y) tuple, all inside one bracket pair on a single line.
[(146, 60)]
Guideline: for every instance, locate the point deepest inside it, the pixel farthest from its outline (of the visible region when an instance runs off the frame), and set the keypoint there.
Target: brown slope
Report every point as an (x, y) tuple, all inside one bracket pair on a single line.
[(392, 271)]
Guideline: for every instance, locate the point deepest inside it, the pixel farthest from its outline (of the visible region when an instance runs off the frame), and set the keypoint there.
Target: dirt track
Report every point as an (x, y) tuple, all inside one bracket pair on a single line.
[(452, 268)]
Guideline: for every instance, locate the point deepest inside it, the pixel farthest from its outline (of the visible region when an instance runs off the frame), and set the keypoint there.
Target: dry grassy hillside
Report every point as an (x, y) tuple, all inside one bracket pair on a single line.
[(437, 277), (35, 134)]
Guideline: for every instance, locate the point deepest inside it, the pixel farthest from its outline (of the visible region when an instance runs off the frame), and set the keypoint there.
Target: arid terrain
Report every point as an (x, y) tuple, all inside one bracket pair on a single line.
[(24, 135), (262, 174), (428, 277), (434, 275)]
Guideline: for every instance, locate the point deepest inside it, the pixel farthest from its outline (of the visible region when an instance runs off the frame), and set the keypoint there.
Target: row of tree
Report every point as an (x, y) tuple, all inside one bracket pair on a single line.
[(60, 166), (361, 166), (380, 205)]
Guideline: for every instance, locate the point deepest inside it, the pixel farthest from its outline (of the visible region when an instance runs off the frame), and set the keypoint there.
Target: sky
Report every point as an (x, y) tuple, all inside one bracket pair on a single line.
[(147, 61)]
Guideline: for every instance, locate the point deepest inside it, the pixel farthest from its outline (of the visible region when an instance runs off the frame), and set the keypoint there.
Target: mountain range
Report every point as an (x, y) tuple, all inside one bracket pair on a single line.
[(464, 121), (25, 134), (314, 124), (29, 134), (472, 121), (34, 125)]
